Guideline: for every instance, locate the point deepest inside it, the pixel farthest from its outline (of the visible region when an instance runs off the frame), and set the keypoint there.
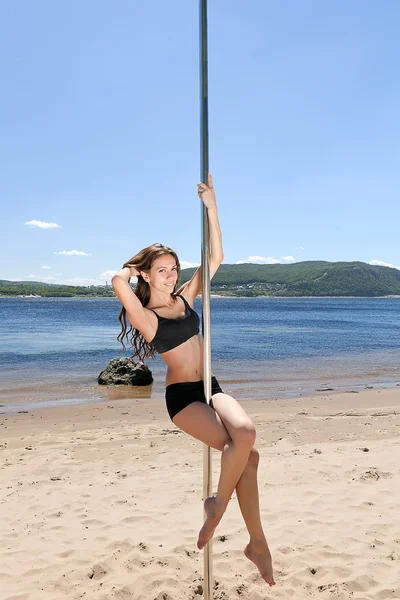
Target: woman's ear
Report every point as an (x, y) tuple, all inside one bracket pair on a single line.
[(144, 276)]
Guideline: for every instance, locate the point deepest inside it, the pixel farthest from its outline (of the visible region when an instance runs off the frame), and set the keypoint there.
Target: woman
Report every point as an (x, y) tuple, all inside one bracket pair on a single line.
[(162, 319)]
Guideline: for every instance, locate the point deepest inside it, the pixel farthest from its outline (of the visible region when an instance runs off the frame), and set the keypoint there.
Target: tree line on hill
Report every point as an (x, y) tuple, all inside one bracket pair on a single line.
[(309, 278), (47, 290)]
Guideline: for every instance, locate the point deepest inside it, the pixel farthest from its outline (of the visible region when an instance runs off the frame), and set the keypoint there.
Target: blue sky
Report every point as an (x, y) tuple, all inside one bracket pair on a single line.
[(99, 121)]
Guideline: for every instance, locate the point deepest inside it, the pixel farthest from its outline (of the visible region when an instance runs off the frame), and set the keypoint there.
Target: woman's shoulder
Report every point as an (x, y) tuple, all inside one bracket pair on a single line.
[(186, 299)]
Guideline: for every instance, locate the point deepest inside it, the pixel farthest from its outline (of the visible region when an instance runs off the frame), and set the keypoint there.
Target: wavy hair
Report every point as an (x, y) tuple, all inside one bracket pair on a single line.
[(143, 261)]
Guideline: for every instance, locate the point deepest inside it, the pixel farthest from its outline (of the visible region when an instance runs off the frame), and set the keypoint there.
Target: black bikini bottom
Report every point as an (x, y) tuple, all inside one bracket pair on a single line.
[(180, 395)]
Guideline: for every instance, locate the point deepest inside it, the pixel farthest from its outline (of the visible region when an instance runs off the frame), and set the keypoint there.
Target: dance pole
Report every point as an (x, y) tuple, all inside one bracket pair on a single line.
[(207, 457)]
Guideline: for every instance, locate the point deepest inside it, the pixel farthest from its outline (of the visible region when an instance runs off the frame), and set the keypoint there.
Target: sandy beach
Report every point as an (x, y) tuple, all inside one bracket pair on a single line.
[(104, 500)]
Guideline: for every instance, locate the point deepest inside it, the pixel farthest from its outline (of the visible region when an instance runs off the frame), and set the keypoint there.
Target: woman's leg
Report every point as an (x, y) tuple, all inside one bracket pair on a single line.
[(206, 425), (238, 443), (247, 487), (247, 493), (257, 549)]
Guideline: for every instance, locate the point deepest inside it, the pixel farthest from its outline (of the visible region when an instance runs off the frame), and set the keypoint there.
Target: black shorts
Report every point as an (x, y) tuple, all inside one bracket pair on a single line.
[(180, 395)]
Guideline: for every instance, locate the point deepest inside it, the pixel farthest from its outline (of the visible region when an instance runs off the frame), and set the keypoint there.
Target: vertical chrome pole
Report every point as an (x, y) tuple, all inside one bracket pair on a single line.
[(207, 457)]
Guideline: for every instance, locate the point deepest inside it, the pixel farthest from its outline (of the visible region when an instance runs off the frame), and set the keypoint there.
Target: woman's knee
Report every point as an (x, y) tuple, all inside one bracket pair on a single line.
[(244, 434)]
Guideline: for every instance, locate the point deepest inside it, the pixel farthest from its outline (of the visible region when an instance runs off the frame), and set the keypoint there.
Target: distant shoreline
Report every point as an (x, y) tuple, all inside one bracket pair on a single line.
[(309, 279)]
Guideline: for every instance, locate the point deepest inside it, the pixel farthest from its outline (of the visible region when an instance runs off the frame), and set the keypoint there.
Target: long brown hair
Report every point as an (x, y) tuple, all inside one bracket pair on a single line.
[(143, 261)]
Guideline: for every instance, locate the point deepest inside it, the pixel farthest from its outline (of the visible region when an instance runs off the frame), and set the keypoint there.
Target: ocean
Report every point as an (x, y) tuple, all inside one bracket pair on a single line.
[(274, 347)]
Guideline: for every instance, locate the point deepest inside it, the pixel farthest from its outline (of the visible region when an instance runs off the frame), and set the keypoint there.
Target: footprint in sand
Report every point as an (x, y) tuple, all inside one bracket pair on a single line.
[(92, 523), (65, 554), (97, 572), (132, 520), (332, 588), (374, 475), (120, 547)]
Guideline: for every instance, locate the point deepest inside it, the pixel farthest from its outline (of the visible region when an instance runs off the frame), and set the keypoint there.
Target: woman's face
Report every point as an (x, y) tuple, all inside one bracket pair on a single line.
[(163, 274)]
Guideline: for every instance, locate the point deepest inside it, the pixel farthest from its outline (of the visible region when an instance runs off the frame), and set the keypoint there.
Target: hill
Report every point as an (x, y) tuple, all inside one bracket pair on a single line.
[(37, 288), (309, 278)]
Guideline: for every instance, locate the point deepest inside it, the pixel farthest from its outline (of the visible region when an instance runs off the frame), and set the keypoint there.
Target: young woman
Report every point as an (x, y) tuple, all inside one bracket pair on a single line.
[(162, 320)]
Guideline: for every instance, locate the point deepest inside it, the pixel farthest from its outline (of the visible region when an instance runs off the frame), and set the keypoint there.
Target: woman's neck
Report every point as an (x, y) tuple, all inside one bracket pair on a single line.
[(160, 300)]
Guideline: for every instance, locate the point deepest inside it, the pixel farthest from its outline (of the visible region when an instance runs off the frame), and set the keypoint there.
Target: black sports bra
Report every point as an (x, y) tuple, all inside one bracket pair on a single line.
[(174, 332)]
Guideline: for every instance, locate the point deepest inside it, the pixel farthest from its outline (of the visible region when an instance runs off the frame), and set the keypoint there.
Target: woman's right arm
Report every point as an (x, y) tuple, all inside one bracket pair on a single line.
[(138, 316)]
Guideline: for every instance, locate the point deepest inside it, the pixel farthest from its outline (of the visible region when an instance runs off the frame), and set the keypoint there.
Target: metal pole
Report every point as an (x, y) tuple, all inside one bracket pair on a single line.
[(207, 457)]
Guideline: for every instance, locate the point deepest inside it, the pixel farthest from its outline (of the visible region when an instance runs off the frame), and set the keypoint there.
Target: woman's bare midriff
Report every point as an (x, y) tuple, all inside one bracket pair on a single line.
[(185, 362)]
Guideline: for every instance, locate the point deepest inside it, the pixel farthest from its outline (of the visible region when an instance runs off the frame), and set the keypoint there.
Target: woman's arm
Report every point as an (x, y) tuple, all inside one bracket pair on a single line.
[(192, 288), (138, 316)]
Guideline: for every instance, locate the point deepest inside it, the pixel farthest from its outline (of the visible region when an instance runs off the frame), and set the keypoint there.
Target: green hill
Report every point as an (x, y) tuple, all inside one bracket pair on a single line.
[(311, 278), (23, 288)]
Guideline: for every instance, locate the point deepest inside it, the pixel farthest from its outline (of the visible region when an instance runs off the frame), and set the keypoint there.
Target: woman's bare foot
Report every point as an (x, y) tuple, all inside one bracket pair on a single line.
[(213, 518), (259, 554)]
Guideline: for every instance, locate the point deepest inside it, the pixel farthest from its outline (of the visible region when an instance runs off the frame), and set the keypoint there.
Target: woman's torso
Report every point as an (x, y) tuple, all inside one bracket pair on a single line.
[(185, 363), (179, 344)]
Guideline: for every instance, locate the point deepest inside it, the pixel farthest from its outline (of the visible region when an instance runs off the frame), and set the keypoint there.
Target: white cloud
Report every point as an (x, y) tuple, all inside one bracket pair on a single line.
[(81, 281), (42, 224), (45, 267), (259, 259), (35, 277), (67, 281), (185, 264), (381, 263), (107, 274), (72, 253), (288, 258)]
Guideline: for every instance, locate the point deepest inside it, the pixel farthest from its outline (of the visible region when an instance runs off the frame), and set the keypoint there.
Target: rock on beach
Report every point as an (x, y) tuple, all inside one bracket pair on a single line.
[(125, 371)]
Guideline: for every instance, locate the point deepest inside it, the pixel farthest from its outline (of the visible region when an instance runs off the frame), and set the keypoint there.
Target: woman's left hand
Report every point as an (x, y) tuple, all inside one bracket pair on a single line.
[(206, 193)]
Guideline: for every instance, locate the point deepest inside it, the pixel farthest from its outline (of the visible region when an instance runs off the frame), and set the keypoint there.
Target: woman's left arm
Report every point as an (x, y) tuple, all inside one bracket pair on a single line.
[(193, 288)]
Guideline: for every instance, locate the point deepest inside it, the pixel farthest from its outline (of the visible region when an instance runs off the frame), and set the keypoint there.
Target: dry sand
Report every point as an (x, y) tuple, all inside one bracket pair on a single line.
[(103, 501)]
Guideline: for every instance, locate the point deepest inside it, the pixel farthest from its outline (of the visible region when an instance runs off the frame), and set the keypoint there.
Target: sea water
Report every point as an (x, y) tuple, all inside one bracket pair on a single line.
[(259, 345)]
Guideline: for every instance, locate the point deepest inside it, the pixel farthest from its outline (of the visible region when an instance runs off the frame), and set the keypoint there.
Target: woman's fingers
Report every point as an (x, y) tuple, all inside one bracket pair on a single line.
[(209, 181), (202, 187)]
